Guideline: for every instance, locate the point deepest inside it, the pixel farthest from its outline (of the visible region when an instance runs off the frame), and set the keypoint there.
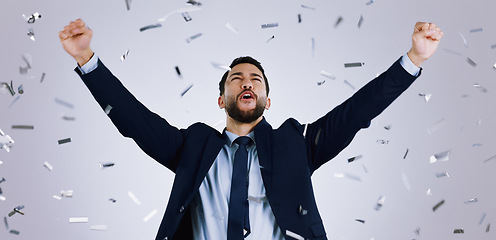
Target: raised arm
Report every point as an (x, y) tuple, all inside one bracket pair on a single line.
[(330, 134), (152, 133)]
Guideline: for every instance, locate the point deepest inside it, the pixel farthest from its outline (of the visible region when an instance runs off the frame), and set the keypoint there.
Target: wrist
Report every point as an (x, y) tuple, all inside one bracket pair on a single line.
[(84, 57), (417, 60)]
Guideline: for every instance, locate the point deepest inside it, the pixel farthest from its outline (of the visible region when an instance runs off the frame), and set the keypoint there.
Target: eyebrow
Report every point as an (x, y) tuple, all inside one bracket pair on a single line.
[(251, 74)]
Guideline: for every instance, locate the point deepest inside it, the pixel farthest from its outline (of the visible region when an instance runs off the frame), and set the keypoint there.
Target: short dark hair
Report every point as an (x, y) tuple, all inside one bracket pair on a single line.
[(245, 59)]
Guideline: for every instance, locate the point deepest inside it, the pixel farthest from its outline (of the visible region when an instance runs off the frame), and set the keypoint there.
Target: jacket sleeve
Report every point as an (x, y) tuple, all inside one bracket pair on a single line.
[(330, 134), (152, 133)]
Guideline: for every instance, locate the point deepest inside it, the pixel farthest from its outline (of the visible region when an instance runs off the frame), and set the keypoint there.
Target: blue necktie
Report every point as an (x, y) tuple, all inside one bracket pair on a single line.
[(238, 203)]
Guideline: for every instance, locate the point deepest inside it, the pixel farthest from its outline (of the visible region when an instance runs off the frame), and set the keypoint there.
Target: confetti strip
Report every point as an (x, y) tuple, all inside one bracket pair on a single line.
[(31, 34), (107, 109), (442, 174), (12, 231), (436, 126), (150, 215), (382, 141), (360, 220), (476, 30), (307, 7), (327, 75), (349, 84), (338, 21), (48, 166), (99, 227), (360, 22), (232, 28), (427, 96), (193, 2), (489, 159), (380, 203), (188, 40), (134, 198), (151, 26), (320, 83), (22, 127), (6, 141), (64, 103), (437, 205), (42, 77), (63, 141), (78, 219), (106, 165), (294, 235), (128, 4), (220, 66), (357, 64), (481, 88), (32, 18), (57, 197), (405, 181), (2, 198), (313, 47), (186, 16), (124, 56), (269, 25), (488, 227), (460, 230), (464, 40), (6, 223), (440, 157), (186, 90), (299, 18), (67, 193), (471, 62), (368, 3), (351, 159), (268, 40), (472, 200)]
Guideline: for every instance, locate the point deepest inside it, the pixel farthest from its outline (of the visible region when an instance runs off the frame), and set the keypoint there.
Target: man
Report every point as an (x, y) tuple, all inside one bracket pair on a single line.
[(264, 190)]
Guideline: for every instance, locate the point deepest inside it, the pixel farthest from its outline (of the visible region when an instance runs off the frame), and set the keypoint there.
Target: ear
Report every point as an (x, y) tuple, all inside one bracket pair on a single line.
[(267, 104), (221, 102)]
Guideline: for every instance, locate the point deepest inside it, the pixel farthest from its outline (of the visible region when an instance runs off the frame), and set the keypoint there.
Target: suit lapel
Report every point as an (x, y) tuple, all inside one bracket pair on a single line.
[(212, 148), (262, 138)]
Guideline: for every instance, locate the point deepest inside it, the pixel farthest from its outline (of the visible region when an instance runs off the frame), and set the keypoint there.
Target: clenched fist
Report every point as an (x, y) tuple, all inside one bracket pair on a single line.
[(76, 38), (425, 40)]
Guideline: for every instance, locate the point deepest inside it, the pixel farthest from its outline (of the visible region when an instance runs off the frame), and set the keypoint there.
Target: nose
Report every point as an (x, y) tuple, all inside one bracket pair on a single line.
[(247, 84)]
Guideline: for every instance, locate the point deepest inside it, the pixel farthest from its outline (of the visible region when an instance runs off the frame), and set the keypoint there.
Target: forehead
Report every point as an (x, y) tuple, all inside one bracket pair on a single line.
[(245, 68)]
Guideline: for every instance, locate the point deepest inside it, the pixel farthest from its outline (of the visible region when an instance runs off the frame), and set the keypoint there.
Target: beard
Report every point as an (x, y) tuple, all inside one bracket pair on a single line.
[(249, 116)]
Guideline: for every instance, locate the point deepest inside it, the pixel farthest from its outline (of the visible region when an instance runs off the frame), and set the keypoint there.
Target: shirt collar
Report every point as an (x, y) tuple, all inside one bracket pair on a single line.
[(230, 137)]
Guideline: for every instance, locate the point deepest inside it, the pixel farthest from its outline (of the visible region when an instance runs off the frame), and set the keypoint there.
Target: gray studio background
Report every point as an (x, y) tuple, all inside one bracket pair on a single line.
[(459, 118)]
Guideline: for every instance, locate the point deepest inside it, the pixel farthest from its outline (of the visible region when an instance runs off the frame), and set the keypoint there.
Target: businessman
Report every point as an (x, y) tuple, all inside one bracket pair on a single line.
[(250, 181)]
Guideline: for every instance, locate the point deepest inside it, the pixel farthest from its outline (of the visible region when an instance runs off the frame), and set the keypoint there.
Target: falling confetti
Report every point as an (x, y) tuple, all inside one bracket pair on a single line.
[(99, 227), (106, 165), (48, 166), (368, 3), (232, 28), (351, 159), (405, 181), (150, 215), (64, 103), (31, 34), (31, 127), (471, 62), (485, 161), (442, 174), (460, 230), (464, 40), (472, 200), (128, 4), (294, 235), (188, 40), (6, 141), (67, 193), (151, 26), (360, 22), (327, 75), (437, 205), (349, 84), (186, 16), (436, 126), (380, 203), (42, 77), (440, 157), (78, 219), (186, 90), (481, 88), (382, 141), (338, 21), (307, 7), (193, 2), (134, 198), (32, 18), (360, 220), (299, 18), (65, 140), (124, 56), (269, 25), (476, 30), (427, 96), (107, 109), (268, 40), (357, 64)]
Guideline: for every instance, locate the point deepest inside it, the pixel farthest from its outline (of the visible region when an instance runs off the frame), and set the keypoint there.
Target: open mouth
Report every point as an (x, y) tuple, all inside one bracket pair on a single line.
[(247, 95)]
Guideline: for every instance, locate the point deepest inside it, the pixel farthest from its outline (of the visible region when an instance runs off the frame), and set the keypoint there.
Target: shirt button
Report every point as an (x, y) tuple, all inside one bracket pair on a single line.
[(181, 209)]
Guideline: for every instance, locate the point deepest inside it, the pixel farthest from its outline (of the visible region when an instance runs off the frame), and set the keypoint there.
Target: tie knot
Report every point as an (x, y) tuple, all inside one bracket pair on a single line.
[(243, 141)]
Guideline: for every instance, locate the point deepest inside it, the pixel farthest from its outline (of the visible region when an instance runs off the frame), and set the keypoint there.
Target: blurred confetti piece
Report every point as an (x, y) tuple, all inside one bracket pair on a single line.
[(351, 159), (32, 18), (107, 109), (472, 200), (485, 161), (78, 219), (370, 2), (57, 197), (320, 83), (327, 75), (128, 4), (349, 84), (442, 174), (99, 227), (134, 198), (440, 157), (313, 47), (360, 220), (6, 141), (16, 210), (67, 118), (67, 193), (459, 230), (31, 34), (12, 231), (42, 77), (64, 103), (405, 181), (481, 88), (428, 193), (186, 16), (15, 100), (269, 25), (20, 89), (387, 127), (48, 166), (338, 21), (307, 7), (352, 177), (220, 66), (2, 180), (436, 126), (151, 26), (124, 56), (454, 52), (178, 72), (294, 235), (65, 140), (476, 30), (365, 169), (188, 40), (427, 96), (6, 223), (299, 18), (356, 64), (28, 127), (360, 22), (23, 70), (186, 90), (180, 10), (2, 198), (106, 165), (193, 2), (28, 59), (232, 28), (270, 38), (488, 227), (417, 231), (493, 46), (112, 200), (150, 215), (382, 141), (8, 87), (471, 62), (437, 206), (380, 203), (464, 40)]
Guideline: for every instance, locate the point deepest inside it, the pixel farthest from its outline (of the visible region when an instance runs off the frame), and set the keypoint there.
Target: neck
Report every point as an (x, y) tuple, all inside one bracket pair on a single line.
[(239, 128)]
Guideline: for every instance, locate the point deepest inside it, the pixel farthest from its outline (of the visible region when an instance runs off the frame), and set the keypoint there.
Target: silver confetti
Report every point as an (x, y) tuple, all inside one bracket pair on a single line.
[(31, 34), (338, 21), (269, 25), (436, 126), (360, 22), (106, 165), (351, 159), (299, 18), (459, 230), (313, 47), (429, 192), (380, 203), (6, 223), (65, 140), (186, 16), (440, 157), (472, 200), (2, 198), (48, 166), (124, 56), (57, 197), (360, 220), (320, 83), (193, 2), (67, 118), (99, 227), (150, 215), (294, 235), (259, 199), (442, 174), (476, 30), (489, 159), (27, 59), (67, 193), (232, 28), (6, 141), (437, 206), (12, 231), (368, 3), (357, 64), (188, 40), (107, 109), (427, 96), (417, 231), (268, 40), (112, 200), (134, 198), (488, 227), (186, 90), (2, 180), (481, 88), (464, 40), (64, 103), (307, 7), (349, 84), (180, 10), (493, 46), (32, 18), (42, 77), (22, 127), (387, 127), (405, 181), (382, 141), (151, 26), (471, 62), (128, 4), (220, 66), (8, 87), (16, 210), (406, 153), (78, 219), (327, 75), (20, 89), (23, 70)]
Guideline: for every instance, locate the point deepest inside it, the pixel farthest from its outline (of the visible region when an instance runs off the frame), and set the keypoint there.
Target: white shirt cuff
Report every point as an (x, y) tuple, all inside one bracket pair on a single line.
[(408, 65), (91, 65)]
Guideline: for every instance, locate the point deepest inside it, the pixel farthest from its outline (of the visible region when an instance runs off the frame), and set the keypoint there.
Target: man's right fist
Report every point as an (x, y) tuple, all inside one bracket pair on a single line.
[(75, 39)]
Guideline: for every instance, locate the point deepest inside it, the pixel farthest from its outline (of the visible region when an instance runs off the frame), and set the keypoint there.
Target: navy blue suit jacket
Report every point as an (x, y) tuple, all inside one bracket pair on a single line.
[(287, 157)]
